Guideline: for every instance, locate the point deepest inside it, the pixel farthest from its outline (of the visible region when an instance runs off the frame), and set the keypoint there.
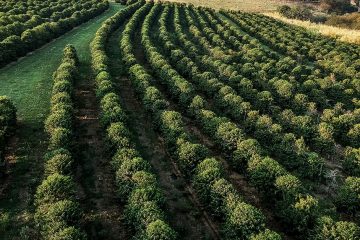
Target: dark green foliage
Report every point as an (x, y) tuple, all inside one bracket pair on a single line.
[(59, 162), (7, 114), (328, 229), (7, 123), (111, 109), (48, 20), (271, 96), (301, 214), (118, 135), (57, 213), (190, 154), (266, 235), (349, 195), (242, 221), (245, 150), (60, 138), (264, 171), (352, 161), (54, 188), (159, 230), (136, 185)]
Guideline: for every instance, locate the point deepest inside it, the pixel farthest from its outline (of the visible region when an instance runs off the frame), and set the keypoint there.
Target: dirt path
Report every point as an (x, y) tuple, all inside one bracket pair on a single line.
[(10, 158), (24, 157), (96, 187), (186, 214)]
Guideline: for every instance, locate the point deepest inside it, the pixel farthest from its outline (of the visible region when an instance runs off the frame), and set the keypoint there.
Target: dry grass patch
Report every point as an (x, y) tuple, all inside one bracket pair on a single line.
[(342, 34)]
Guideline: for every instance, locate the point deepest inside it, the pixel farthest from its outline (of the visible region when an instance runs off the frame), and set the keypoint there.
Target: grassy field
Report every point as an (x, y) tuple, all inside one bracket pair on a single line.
[(28, 83), (243, 5)]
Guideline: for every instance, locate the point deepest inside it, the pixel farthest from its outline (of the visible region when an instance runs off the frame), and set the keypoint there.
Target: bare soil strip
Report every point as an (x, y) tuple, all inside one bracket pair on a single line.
[(95, 178)]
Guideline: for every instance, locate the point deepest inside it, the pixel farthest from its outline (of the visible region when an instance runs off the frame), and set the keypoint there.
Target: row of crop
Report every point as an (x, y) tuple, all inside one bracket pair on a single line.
[(58, 213), (284, 93), (260, 125), (264, 172), (137, 186), (342, 59), (350, 186), (348, 195), (52, 13), (43, 8), (15, 46), (241, 221), (262, 65), (319, 135), (332, 88), (301, 78), (334, 125), (343, 131), (7, 125), (351, 160)]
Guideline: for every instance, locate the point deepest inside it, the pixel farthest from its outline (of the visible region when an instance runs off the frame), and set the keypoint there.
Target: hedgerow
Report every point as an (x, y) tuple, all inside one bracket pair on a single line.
[(136, 185), (36, 23), (303, 208), (58, 213), (193, 158)]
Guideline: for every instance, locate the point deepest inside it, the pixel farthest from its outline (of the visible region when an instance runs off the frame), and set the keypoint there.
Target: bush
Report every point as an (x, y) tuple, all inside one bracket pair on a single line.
[(68, 233), (264, 172), (351, 162), (61, 86), (58, 119), (288, 185), (111, 110), (142, 214), (55, 188), (228, 135), (328, 229), (206, 173), (349, 195), (149, 192), (65, 212), (302, 214), (7, 113), (171, 125), (299, 12), (123, 155), (245, 150), (7, 122), (243, 221), (57, 213), (354, 135), (190, 154), (118, 135), (60, 138), (60, 162), (266, 235), (223, 197), (159, 230), (61, 97), (125, 173)]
